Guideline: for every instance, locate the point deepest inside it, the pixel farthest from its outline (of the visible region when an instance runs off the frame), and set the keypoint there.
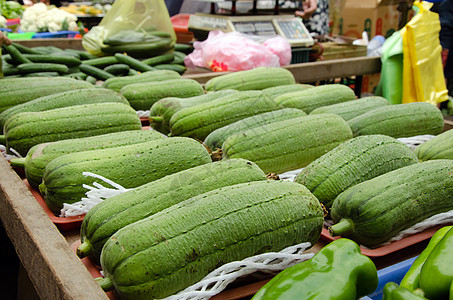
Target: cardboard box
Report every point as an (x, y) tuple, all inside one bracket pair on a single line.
[(370, 82), (376, 17)]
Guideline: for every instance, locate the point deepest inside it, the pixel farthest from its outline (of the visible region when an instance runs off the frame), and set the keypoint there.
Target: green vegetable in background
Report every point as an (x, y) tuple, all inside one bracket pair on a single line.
[(10, 9), (448, 111), (451, 291), (412, 277), (337, 271), (394, 292), (436, 274)]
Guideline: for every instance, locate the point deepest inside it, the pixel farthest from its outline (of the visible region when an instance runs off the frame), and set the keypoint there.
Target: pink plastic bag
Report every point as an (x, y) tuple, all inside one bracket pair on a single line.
[(233, 51)]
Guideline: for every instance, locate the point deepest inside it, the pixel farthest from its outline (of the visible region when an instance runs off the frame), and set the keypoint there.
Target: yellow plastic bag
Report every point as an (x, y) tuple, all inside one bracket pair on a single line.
[(423, 76), (139, 15)]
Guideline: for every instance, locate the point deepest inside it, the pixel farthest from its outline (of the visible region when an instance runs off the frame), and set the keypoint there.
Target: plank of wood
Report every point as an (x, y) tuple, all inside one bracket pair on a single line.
[(54, 269), (314, 71), (448, 124), (63, 43)]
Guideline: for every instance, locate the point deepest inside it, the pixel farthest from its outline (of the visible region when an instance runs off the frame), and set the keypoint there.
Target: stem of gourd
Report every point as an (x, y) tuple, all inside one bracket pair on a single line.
[(84, 249), (343, 228), (105, 283), (18, 162), (155, 119)]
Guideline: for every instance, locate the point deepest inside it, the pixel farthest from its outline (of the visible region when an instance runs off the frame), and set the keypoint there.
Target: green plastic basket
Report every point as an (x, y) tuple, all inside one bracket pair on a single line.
[(21, 36)]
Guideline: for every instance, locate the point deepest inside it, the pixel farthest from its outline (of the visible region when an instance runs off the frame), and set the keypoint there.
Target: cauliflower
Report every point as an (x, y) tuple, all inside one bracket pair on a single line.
[(2, 22), (41, 18)]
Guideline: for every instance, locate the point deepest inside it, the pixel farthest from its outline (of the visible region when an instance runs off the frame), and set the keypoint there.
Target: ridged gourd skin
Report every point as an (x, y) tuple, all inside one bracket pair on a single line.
[(40, 155), (375, 210), (162, 111), (200, 120), (352, 162), (142, 96), (216, 138), (254, 79), (351, 109), (171, 250), (63, 99), (439, 147), (290, 144), (27, 129), (310, 99), (107, 217), (400, 120), (275, 91), (130, 166), (117, 83), (15, 91)]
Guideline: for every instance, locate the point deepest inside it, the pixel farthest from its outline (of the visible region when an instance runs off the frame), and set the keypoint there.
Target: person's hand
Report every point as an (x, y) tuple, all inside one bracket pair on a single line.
[(309, 7), (4, 40)]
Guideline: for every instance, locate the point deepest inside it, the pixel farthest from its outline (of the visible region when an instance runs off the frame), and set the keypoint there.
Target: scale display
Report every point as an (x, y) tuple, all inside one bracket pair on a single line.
[(262, 28), (287, 26)]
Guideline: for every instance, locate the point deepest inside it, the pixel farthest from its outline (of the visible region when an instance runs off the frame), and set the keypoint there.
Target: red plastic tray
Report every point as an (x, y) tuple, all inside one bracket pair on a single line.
[(145, 122), (180, 22), (91, 267), (389, 248), (64, 224)]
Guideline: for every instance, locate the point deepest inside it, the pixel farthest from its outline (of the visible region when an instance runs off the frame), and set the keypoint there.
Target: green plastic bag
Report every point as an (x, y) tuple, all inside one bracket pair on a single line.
[(138, 15), (391, 84)]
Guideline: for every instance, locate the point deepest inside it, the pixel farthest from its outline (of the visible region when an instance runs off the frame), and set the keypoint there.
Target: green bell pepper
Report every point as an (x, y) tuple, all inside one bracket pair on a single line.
[(436, 274), (451, 291), (394, 292), (411, 280), (337, 271)]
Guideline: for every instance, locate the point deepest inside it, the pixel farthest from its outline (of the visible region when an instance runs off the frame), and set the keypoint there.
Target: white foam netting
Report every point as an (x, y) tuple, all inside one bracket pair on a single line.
[(216, 281), (14, 153), (414, 141), (143, 113), (95, 194)]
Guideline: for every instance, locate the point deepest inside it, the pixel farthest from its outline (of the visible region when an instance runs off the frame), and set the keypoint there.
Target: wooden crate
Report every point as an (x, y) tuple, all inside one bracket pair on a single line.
[(334, 50)]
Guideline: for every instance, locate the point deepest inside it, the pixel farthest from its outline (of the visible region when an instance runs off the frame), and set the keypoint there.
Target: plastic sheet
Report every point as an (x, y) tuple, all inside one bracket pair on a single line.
[(423, 76), (140, 15), (391, 84), (234, 51)]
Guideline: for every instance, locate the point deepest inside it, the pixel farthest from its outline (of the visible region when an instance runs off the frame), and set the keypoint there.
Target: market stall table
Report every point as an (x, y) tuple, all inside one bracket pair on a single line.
[(54, 269), (46, 254)]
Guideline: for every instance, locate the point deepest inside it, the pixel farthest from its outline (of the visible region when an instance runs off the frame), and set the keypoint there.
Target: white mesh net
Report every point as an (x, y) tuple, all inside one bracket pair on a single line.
[(9, 156), (218, 280), (439, 219), (290, 175), (96, 194), (414, 141), (142, 113)]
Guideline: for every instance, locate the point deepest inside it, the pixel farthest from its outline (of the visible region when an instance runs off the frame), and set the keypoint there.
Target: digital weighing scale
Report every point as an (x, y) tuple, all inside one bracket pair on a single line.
[(288, 26)]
